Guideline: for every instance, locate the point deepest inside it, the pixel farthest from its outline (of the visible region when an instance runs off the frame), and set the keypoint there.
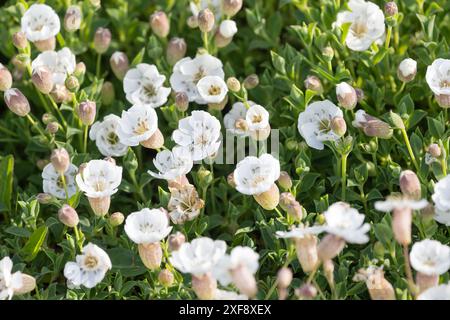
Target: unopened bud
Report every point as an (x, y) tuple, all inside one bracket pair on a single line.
[(176, 240), (72, 83), (443, 100), (346, 96), (269, 200), (116, 219), (206, 20), (68, 216), (72, 19), (306, 292), (396, 120), (407, 70), (42, 79), (313, 83), (176, 50), (44, 198), (20, 40), (244, 280), (328, 53), (52, 127), (5, 78), (378, 128), (60, 160), (401, 225), (291, 206), (435, 150), (166, 278), (181, 101), (306, 249), (391, 9), (233, 84), (231, 7), (100, 206), (339, 126), (151, 254), (45, 45), (60, 94), (204, 286), (251, 82), (192, 22), (119, 64), (17, 102), (230, 180), (328, 270), (102, 40), (108, 93), (156, 141), (87, 111), (80, 70), (359, 94), (228, 28), (329, 247), (285, 180), (221, 41), (284, 277), (160, 24), (410, 185), (424, 281)]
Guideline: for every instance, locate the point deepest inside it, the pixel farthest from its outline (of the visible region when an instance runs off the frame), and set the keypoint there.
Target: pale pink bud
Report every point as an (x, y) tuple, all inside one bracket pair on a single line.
[(28, 284), (306, 292), (44, 198), (443, 100), (390, 8), (68, 216), (284, 277), (206, 20), (378, 128), (401, 225), (60, 160), (80, 70), (346, 96), (45, 45), (435, 150), (102, 40), (119, 64), (181, 101), (108, 93), (269, 200), (231, 7), (72, 84), (20, 40), (285, 180), (306, 249), (176, 240), (100, 206), (52, 127), (251, 82), (379, 288), (313, 83), (424, 281), (176, 50), (166, 278), (339, 126), (204, 286), (156, 141), (5, 78), (221, 41), (410, 185), (60, 93), (244, 280), (42, 79), (116, 219), (17, 102), (192, 22), (233, 84), (72, 19), (329, 247), (328, 270), (87, 111), (291, 206), (151, 254), (160, 24)]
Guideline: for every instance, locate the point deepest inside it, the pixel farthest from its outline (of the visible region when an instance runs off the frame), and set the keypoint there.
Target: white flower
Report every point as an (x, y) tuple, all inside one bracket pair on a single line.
[(105, 135), (90, 267), (239, 257), (214, 5), (147, 226), (430, 257), (346, 222), (440, 292), (228, 28), (137, 124), (229, 295), (184, 204), (408, 67), (40, 22), (60, 63), (9, 281), (52, 182), (172, 164), (441, 199), (199, 256), (300, 232), (188, 72), (438, 76), (99, 178), (212, 89), (314, 124), (144, 85), (256, 175), (234, 121), (367, 24), (392, 203), (257, 118), (198, 134)]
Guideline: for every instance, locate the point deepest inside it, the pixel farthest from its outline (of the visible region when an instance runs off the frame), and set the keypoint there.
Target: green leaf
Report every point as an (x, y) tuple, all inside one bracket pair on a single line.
[(6, 182), (138, 58), (34, 243), (278, 62)]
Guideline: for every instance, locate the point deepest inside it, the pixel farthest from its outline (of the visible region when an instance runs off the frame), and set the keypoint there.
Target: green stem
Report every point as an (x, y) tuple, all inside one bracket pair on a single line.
[(205, 40), (408, 272), (55, 106), (343, 175), (63, 180), (85, 139), (388, 37), (36, 125), (77, 238), (99, 62), (408, 146)]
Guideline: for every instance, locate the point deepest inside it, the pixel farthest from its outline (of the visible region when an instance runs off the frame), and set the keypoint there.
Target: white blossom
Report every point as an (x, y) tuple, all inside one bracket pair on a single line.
[(393, 203), (9, 281), (147, 226), (137, 124), (40, 22), (430, 257), (228, 28), (52, 182), (184, 204), (257, 118), (235, 120), (408, 67), (60, 63), (238, 257), (172, 164), (441, 199), (212, 89), (438, 76), (105, 135)]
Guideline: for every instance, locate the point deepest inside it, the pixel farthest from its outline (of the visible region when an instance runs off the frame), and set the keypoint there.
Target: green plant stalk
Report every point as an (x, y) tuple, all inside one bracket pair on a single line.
[(85, 138), (63, 180), (205, 41), (410, 150), (388, 37), (55, 106), (98, 66), (36, 125), (343, 175), (408, 271)]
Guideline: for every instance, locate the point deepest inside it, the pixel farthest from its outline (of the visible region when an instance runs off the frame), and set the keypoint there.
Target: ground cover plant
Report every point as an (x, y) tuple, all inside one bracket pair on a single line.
[(224, 149)]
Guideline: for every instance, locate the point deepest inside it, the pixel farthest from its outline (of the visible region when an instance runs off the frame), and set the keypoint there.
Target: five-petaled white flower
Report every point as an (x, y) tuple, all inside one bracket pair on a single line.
[(172, 164), (60, 63), (90, 267), (366, 24), (137, 124), (256, 175), (147, 226), (184, 204), (314, 124), (235, 120), (257, 118), (99, 178), (106, 137), (9, 282), (239, 257), (52, 182), (347, 223), (212, 89), (40, 22), (438, 77), (440, 292), (144, 85), (441, 199), (199, 135), (199, 256), (430, 257), (188, 72)]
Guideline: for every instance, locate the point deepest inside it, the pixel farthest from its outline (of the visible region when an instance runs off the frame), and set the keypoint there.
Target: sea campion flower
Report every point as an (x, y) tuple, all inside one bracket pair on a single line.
[(9, 282), (144, 85), (105, 135), (235, 120), (372, 126), (257, 120), (160, 24), (16, 101), (176, 50), (441, 199), (410, 185), (346, 96), (314, 124), (212, 89), (440, 292), (188, 72), (52, 183), (366, 24), (214, 5), (199, 135), (438, 79), (60, 63), (90, 267), (172, 164), (5, 78), (379, 288), (239, 268), (73, 18), (102, 40), (137, 125), (407, 70), (184, 204), (40, 22), (99, 180)]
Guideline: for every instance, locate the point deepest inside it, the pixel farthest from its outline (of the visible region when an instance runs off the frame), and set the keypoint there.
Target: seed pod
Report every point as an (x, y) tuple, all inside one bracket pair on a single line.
[(269, 199), (102, 40), (156, 141), (401, 225), (410, 185), (20, 40), (17, 102), (68, 216), (181, 101), (119, 64), (251, 82), (166, 278), (5, 78), (160, 24), (87, 111), (346, 96), (329, 247), (45, 45), (151, 255), (42, 79), (313, 83), (231, 7), (176, 50), (108, 93), (72, 19), (233, 84), (206, 20), (176, 240), (116, 219), (100, 206)]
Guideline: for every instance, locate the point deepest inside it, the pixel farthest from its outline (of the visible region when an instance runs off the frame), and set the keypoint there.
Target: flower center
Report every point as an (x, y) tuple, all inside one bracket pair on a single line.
[(146, 227), (90, 262), (141, 127), (112, 138), (214, 90), (241, 124), (200, 74), (445, 84), (59, 182), (257, 118), (359, 29)]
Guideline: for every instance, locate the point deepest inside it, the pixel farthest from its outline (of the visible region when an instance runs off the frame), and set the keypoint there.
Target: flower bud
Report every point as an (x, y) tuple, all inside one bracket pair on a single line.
[(72, 19), (424, 281), (328, 270), (233, 84), (230, 180), (87, 111), (401, 225), (60, 160), (192, 22), (443, 100), (407, 70), (151, 254), (435, 150), (100, 206), (206, 20), (391, 9), (378, 128), (269, 199), (204, 286), (68, 216), (291, 206), (45, 45), (20, 61), (306, 249), (44, 198), (116, 219), (346, 96), (17, 102), (41, 163), (52, 127), (244, 280), (160, 24), (220, 41), (5, 78), (176, 240), (42, 79), (284, 180), (181, 101), (176, 50), (329, 247), (396, 120), (359, 94), (313, 83), (379, 288), (72, 83), (102, 40), (306, 292), (156, 141), (251, 82), (284, 277), (231, 7), (328, 53), (166, 278), (60, 94), (80, 70), (108, 93), (339, 126), (20, 40), (28, 284), (119, 64), (410, 185)]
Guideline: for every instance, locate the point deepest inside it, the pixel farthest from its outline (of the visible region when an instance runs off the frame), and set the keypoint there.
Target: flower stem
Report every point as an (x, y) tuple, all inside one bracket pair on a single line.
[(63, 180), (343, 175), (205, 40), (98, 67), (85, 139), (388, 37), (36, 125), (408, 146), (408, 271), (77, 237), (55, 106)]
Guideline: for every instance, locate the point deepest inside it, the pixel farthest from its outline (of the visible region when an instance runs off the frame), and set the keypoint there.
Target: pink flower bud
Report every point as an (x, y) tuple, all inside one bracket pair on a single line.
[(100, 206), (176, 50), (102, 40), (45, 45), (20, 40), (119, 64), (291, 206), (204, 286), (306, 292), (231, 7), (68, 216), (410, 185), (28, 284), (206, 20), (160, 24), (108, 93), (44, 198), (313, 83), (181, 101), (60, 93), (72, 19), (156, 141), (52, 127), (346, 96), (443, 100), (42, 79), (116, 219), (306, 249), (87, 111), (339, 126), (285, 180), (244, 280), (401, 225), (284, 277), (251, 82), (166, 278), (80, 70), (391, 9), (328, 270), (60, 160), (17, 102), (435, 150), (176, 240), (5, 78), (329, 247), (269, 200), (378, 128), (424, 281), (151, 254)]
